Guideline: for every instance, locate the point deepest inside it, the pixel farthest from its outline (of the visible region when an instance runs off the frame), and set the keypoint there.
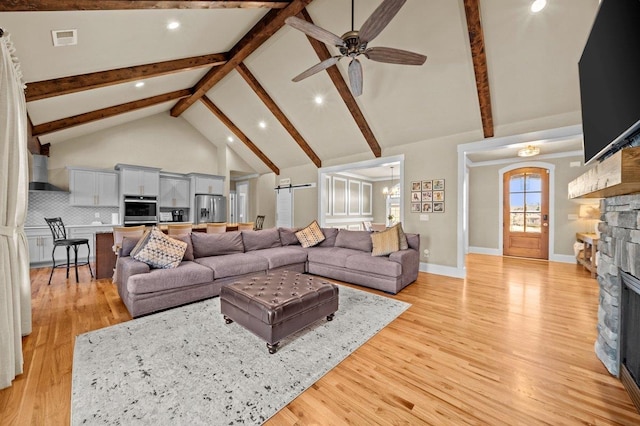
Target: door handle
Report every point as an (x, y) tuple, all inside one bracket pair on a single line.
[(545, 217)]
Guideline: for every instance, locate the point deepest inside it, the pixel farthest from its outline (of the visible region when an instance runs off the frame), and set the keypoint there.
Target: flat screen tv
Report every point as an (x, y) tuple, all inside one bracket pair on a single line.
[(610, 79)]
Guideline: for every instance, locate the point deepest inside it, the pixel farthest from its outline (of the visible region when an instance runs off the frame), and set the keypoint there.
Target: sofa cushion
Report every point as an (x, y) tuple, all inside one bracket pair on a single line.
[(330, 235), (357, 240), (282, 256), (288, 236), (385, 242), (187, 274), (232, 265), (216, 244), (159, 250), (373, 265), (402, 237), (264, 239), (128, 244), (311, 235), (334, 256), (188, 253)]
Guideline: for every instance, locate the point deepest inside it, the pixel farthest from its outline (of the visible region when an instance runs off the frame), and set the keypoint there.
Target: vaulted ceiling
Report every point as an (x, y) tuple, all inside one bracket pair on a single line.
[(492, 64)]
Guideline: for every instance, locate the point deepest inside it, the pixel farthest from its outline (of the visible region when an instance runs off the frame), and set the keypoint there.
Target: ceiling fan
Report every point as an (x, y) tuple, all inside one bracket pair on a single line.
[(354, 43)]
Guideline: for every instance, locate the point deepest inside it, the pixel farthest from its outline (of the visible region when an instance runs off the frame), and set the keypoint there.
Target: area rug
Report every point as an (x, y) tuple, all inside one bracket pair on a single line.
[(186, 366)]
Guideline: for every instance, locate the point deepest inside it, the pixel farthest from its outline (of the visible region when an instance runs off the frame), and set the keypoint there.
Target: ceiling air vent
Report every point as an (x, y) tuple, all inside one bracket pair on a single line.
[(64, 37)]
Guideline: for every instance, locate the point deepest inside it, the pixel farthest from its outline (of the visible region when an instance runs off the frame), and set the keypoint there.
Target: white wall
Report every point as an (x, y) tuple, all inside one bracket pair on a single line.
[(162, 141)]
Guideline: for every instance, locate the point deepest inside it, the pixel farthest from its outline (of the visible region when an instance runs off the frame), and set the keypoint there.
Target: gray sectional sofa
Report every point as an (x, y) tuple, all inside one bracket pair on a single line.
[(213, 260)]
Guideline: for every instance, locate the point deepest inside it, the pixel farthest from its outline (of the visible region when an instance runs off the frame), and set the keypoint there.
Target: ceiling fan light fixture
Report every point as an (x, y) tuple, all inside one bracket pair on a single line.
[(538, 5), (528, 151)]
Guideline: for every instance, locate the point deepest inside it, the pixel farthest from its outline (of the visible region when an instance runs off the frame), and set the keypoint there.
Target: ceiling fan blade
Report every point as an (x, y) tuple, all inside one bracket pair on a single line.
[(379, 19), (314, 31), (355, 77), (394, 56), (317, 68)]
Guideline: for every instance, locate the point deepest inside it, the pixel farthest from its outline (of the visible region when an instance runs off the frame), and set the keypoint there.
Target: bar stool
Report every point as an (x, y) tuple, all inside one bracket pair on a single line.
[(245, 226), (59, 233), (259, 223), (177, 229), (216, 228)]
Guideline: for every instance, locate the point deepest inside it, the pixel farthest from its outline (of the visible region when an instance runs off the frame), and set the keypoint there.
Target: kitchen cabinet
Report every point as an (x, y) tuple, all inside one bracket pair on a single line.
[(137, 180), (209, 184), (93, 188), (174, 192), (40, 244)]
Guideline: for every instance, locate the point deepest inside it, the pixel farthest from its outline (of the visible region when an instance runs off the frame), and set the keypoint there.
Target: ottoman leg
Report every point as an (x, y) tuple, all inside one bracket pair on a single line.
[(330, 317), (273, 348), (227, 320)]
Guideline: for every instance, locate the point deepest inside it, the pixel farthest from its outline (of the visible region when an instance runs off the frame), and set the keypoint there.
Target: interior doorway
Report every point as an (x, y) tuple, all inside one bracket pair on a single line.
[(526, 213), (242, 201)]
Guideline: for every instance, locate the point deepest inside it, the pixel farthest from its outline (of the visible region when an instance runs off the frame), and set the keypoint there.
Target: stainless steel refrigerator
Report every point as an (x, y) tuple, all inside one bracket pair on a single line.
[(210, 208)]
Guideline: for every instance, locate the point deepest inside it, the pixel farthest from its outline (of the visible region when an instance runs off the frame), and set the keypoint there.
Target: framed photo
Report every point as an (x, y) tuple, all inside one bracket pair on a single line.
[(438, 184), (438, 195), (415, 186), (438, 207), (415, 208), (427, 196), (427, 207), (427, 185), (415, 197)]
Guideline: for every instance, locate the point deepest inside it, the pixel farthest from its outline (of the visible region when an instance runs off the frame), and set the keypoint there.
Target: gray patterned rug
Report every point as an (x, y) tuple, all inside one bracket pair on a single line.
[(186, 366)]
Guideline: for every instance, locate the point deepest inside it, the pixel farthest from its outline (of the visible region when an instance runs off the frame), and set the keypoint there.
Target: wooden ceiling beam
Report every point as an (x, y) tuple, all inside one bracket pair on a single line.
[(239, 133), (476, 40), (265, 28), (77, 120), (277, 112), (343, 89), (33, 143), (68, 5), (66, 85)]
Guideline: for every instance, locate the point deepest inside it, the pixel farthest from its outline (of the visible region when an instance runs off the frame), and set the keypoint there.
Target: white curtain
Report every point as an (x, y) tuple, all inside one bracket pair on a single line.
[(15, 285)]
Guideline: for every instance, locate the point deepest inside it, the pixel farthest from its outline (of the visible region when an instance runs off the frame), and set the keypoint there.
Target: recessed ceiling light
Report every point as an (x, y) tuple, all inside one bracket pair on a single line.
[(140, 84), (262, 125), (319, 100), (538, 5), (173, 25), (230, 138)]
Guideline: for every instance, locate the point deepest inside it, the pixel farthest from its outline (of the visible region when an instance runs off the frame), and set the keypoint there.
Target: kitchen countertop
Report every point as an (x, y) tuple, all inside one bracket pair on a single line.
[(162, 225), (109, 225)]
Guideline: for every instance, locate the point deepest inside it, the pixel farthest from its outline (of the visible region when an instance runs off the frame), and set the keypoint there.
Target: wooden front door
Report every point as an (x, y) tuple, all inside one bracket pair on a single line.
[(526, 213)]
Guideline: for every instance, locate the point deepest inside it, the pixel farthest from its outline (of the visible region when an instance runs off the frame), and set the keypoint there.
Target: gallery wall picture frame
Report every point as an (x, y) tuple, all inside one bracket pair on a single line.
[(415, 208), (415, 197), (427, 196), (427, 207), (438, 184), (427, 185), (416, 186), (438, 207), (438, 195)]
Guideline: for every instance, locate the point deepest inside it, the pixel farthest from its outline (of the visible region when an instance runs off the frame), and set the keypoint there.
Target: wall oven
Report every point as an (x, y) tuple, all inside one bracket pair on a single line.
[(140, 210)]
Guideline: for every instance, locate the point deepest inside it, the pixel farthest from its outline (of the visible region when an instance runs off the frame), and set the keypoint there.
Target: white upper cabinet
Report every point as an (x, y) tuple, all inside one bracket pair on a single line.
[(174, 192), (93, 188), (137, 180), (209, 184)]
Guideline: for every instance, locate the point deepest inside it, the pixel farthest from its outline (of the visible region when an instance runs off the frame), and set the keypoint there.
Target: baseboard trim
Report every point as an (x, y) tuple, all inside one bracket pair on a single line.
[(562, 258), (485, 250), (447, 271)]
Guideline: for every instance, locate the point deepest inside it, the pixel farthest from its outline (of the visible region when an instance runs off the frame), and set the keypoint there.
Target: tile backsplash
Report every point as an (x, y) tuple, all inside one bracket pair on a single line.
[(56, 204)]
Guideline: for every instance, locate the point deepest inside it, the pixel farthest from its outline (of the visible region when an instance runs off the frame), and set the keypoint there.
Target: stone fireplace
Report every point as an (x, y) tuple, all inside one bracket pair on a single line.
[(619, 250)]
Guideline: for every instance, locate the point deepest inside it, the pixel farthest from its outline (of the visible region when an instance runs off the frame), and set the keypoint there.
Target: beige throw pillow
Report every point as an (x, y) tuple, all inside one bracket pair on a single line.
[(159, 250), (385, 242), (311, 235)]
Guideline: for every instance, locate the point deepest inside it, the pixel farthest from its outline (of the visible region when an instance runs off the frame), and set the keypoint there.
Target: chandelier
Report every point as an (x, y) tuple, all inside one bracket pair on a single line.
[(394, 191)]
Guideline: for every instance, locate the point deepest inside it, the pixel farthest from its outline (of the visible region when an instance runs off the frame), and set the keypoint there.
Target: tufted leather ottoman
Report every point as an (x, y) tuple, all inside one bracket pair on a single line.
[(275, 305)]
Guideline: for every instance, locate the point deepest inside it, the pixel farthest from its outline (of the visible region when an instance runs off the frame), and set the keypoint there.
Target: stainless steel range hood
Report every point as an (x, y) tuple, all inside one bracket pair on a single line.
[(40, 175)]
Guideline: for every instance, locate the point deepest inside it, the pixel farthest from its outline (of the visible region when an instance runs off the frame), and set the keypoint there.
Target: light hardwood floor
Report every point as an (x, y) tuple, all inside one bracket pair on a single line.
[(512, 344)]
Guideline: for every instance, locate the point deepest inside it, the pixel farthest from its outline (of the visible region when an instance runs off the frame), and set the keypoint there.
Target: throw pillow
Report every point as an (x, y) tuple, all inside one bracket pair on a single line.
[(385, 242), (402, 237), (311, 235), (159, 250)]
